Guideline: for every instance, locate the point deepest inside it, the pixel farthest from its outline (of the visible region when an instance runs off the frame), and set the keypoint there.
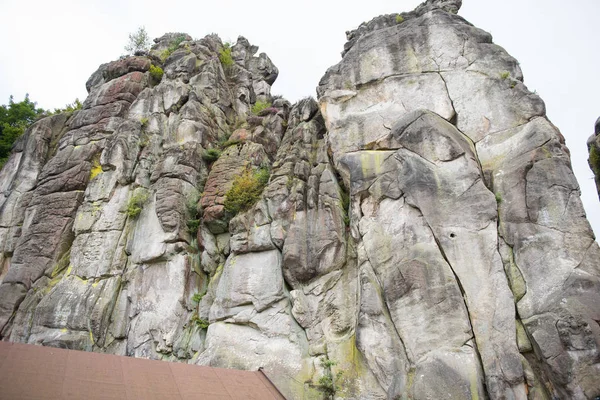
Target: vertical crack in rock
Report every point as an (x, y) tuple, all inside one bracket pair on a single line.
[(388, 313), (462, 290), (453, 120)]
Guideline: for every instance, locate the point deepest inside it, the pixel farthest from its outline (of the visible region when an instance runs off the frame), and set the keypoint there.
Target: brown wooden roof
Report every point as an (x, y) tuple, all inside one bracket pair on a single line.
[(37, 372)]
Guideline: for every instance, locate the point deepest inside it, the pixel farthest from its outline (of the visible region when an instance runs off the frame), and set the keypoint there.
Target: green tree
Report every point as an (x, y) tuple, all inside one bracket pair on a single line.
[(138, 41), (14, 119), (74, 106)]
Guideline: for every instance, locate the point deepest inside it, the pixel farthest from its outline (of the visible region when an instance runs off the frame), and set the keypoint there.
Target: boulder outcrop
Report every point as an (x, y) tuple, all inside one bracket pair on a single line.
[(416, 232)]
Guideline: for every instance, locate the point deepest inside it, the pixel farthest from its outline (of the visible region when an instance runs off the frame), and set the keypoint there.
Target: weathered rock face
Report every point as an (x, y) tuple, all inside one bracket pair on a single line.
[(593, 144), (420, 235)]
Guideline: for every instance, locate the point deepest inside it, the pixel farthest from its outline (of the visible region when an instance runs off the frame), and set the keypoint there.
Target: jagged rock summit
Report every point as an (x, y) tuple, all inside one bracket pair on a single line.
[(415, 233)]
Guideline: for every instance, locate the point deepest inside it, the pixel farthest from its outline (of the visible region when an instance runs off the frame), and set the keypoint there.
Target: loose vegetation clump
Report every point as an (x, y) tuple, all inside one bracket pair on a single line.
[(194, 222), (345, 199), (504, 74), (399, 19), (74, 106), (326, 383), (173, 45), (200, 323), (193, 225), (156, 73), (211, 155), (225, 55), (498, 198), (259, 106), (136, 202), (246, 190), (197, 297)]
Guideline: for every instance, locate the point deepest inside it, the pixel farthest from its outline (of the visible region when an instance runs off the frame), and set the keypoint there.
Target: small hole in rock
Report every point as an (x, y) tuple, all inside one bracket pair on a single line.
[(452, 235)]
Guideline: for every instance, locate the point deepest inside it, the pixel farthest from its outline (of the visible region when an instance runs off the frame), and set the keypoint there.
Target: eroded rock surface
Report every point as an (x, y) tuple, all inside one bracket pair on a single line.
[(593, 144), (419, 236)]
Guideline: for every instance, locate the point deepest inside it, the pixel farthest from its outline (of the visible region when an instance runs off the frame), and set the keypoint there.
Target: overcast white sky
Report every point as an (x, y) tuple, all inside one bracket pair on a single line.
[(50, 48)]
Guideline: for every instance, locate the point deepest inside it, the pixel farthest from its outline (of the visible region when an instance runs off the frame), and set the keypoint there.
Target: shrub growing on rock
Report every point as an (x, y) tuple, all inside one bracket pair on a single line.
[(211, 155), (259, 106), (225, 56), (200, 323), (194, 222), (246, 190), (74, 106), (156, 73), (173, 45), (136, 202), (326, 383), (197, 297)]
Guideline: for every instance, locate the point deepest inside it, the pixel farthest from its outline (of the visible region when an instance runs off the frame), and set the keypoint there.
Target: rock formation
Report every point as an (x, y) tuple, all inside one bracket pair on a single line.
[(420, 234), (593, 144)]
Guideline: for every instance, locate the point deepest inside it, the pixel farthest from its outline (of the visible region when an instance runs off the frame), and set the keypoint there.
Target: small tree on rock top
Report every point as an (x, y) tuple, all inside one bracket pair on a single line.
[(138, 41)]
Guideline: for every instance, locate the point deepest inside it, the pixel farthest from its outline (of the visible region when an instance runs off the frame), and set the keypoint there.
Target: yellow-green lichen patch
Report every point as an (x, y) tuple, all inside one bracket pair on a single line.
[(410, 379), (55, 279), (414, 66), (522, 339), (96, 168), (516, 281), (371, 162), (96, 206), (62, 264), (474, 388), (346, 366)]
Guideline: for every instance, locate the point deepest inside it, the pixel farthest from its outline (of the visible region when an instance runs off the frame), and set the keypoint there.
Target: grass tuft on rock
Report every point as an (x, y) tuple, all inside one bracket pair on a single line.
[(260, 106), (173, 45), (156, 73), (197, 297), (211, 155), (136, 202), (225, 56), (199, 322), (246, 190)]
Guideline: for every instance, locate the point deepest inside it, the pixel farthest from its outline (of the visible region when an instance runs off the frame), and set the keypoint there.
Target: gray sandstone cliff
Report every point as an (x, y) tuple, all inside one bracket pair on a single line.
[(593, 144), (420, 236)]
